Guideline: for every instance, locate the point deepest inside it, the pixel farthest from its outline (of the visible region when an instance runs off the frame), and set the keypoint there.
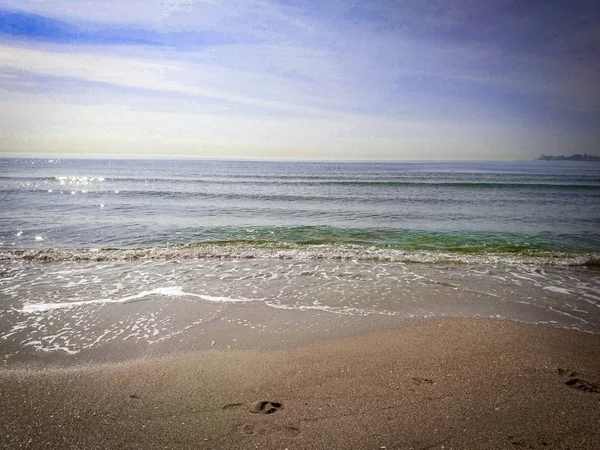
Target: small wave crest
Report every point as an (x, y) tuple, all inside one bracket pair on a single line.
[(290, 251), (590, 183), (172, 291)]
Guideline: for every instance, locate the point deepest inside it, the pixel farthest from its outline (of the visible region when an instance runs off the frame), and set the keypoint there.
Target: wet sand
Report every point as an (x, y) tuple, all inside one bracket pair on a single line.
[(458, 383)]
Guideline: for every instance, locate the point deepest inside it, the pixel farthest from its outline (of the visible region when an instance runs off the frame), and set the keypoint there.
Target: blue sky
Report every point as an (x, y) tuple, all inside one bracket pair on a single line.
[(461, 79)]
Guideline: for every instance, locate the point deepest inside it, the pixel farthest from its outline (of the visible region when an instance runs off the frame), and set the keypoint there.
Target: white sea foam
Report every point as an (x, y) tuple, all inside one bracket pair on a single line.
[(177, 295), (210, 298), (172, 291), (557, 289), (328, 309), (14, 330), (356, 252), (564, 313)]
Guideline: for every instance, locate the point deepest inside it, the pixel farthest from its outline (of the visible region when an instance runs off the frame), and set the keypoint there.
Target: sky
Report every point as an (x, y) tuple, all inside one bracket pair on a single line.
[(336, 79)]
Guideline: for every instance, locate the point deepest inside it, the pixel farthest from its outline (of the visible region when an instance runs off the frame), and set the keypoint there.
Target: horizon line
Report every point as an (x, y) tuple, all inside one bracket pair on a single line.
[(249, 159)]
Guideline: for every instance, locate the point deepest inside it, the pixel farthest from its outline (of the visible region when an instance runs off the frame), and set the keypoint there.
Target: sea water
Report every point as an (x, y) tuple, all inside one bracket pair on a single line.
[(96, 250)]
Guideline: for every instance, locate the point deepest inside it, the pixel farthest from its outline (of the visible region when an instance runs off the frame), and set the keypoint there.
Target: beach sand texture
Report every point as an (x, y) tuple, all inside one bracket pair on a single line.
[(459, 383)]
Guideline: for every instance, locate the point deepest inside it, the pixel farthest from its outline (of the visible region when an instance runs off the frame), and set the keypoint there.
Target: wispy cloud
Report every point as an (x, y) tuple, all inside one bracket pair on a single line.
[(366, 68)]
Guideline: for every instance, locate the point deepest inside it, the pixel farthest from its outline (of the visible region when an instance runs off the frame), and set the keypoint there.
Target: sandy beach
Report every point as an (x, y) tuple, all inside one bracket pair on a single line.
[(280, 225), (455, 383)]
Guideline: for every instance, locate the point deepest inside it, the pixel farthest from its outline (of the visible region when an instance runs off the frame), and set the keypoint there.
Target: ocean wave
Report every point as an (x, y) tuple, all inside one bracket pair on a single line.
[(173, 291), (183, 195), (393, 181), (293, 251)]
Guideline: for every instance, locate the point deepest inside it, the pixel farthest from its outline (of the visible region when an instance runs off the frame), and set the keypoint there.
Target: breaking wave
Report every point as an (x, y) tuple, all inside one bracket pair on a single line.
[(254, 250)]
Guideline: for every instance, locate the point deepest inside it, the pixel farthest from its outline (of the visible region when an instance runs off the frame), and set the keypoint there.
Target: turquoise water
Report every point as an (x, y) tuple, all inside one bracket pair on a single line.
[(96, 255), (530, 208)]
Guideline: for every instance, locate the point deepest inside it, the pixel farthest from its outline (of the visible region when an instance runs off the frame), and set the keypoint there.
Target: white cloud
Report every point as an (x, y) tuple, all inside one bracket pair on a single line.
[(325, 82), (191, 78)]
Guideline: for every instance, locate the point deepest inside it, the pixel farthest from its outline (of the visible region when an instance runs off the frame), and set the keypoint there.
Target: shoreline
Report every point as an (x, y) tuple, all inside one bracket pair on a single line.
[(430, 383), (301, 251), (66, 313)]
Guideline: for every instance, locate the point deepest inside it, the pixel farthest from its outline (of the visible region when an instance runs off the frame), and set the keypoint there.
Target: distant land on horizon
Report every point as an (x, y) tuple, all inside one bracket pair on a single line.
[(576, 157)]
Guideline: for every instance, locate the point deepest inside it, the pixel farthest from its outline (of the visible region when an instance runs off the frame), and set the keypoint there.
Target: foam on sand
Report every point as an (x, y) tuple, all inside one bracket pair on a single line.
[(173, 291)]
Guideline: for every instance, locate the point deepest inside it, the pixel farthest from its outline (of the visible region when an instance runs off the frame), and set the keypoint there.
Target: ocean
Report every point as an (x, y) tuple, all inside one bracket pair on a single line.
[(94, 251)]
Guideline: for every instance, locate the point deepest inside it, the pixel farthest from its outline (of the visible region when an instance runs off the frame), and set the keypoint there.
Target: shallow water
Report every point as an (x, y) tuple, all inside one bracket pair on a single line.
[(457, 206), (71, 307), (100, 253)]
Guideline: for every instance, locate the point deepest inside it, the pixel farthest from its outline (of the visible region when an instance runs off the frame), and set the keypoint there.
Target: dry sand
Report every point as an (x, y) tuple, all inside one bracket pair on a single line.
[(431, 384)]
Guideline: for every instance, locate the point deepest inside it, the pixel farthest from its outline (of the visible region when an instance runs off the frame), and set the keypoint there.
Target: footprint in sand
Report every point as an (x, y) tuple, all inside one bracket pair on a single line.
[(419, 380), (583, 385), (578, 383), (564, 372), (246, 429), (265, 407)]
